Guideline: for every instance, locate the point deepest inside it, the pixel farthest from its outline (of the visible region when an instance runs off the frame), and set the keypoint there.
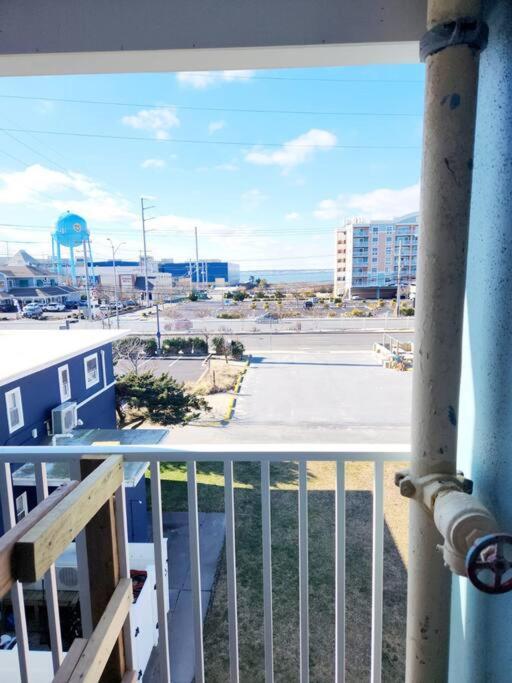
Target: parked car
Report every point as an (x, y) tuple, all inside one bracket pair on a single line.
[(32, 310), (7, 307), (308, 304), (104, 308), (71, 305), (116, 304), (130, 302), (54, 306)]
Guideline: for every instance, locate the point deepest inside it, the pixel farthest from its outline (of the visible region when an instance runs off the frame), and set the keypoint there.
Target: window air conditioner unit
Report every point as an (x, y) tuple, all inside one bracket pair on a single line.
[(64, 418)]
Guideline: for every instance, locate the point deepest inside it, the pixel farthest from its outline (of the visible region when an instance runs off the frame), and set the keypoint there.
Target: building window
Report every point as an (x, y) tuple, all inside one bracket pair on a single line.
[(64, 383), (92, 370), (21, 503), (14, 409)]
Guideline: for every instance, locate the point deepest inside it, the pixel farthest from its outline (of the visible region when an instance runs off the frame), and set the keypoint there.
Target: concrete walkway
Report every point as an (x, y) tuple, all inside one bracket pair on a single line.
[(181, 635)]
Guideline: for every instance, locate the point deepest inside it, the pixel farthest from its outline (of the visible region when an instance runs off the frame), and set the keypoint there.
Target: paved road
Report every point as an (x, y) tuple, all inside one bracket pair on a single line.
[(329, 396), (357, 341), (182, 369)]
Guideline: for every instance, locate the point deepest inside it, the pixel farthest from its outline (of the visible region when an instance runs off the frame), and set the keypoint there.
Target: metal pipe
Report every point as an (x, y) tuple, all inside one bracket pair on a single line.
[(450, 108), (144, 243), (87, 284)]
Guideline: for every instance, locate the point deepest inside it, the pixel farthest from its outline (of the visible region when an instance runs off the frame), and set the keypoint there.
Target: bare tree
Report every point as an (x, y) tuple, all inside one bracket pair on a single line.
[(130, 349)]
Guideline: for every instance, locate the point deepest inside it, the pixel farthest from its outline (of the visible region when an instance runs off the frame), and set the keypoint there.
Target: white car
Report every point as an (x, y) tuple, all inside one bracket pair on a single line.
[(55, 307)]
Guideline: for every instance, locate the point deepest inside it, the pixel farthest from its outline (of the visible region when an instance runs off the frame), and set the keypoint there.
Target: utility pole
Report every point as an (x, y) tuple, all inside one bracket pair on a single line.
[(116, 299), (197, 259), (399, 274), (87, 289), (143, 210)]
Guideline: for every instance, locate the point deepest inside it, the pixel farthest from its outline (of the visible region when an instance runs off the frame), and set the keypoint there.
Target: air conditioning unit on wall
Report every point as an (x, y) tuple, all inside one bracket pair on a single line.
[(64, 418)]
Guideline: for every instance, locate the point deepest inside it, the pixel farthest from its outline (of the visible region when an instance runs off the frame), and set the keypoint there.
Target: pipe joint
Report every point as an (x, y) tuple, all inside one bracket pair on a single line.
[(472, 544)]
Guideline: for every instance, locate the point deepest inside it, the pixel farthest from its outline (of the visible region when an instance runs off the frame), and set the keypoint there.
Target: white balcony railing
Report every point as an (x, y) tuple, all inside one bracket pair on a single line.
[(228, 454)]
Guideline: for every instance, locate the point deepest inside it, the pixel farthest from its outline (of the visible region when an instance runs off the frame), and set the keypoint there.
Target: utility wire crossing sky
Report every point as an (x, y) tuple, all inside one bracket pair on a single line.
[(265, 164)]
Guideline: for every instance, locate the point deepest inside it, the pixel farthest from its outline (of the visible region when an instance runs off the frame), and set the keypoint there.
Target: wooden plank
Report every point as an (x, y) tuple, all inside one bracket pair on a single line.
[(129, 677), (10, 538), (99, 646), (104, 570), (48, 538), (70, 661)]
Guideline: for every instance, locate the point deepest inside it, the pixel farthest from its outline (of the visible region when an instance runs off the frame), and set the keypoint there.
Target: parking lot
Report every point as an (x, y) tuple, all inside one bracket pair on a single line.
[(182, 369)]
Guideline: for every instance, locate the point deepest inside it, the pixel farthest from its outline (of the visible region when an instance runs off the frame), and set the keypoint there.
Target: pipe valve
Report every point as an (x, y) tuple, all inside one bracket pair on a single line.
[(473, 546), (489, 563)]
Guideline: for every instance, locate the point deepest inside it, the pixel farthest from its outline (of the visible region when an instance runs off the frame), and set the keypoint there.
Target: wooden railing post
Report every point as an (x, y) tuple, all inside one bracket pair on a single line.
[(104, 573)]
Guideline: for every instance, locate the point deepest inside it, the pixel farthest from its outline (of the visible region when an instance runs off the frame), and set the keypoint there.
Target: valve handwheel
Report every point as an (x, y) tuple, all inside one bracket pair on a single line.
[(489, 563)]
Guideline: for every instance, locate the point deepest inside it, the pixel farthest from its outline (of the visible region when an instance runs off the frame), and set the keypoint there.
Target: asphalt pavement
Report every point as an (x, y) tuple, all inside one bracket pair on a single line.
[(182, 369), (339, 395)]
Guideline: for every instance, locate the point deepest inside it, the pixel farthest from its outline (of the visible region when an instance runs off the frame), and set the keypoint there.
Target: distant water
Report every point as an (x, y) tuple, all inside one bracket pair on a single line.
[(284, 276)]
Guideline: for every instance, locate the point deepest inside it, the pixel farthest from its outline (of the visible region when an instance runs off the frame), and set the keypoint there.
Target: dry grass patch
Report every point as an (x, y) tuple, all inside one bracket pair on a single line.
[(220, 377)]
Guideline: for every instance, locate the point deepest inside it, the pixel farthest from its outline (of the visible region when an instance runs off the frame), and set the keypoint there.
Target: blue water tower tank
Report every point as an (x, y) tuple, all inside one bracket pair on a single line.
[(71, 230)]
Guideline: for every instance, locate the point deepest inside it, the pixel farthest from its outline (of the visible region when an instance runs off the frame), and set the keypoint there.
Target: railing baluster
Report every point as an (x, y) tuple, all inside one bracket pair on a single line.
[(50, 580), (82, 565), (340, 573), (195, 570), (303, 572), (229, 508), (162, 582), (124, 571), (377, 571), (18, 603), (267, 571)]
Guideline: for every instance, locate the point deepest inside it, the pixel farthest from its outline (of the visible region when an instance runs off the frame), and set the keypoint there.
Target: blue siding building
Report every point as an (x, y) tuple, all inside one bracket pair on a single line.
[(40, 372), (210, 272)]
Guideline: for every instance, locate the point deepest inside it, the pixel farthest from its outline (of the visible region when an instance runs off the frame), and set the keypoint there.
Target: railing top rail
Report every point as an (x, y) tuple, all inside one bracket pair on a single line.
[(211, 452)]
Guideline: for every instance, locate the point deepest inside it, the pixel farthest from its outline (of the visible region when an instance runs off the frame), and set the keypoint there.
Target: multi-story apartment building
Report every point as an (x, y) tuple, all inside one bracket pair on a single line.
[(376, 255)]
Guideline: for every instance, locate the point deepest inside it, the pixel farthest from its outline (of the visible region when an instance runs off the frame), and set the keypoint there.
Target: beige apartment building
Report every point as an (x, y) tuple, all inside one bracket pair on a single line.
[(372, 257)]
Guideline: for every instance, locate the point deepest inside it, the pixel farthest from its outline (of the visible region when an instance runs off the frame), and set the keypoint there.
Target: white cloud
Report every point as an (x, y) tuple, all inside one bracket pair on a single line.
[(229, 166), (380, 203), (153, 163), (45, 107), (204, 79), (156, 121), (253, 198), (41, 186), (214, 126), (292, 216), (293, 152)]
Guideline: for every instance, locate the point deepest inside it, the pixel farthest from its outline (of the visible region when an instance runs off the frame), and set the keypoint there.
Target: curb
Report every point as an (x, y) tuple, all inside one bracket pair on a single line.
[(236, 390)]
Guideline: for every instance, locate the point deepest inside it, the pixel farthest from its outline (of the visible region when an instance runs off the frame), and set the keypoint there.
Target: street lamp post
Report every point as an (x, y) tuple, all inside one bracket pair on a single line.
[(158, 334), (114, 250)]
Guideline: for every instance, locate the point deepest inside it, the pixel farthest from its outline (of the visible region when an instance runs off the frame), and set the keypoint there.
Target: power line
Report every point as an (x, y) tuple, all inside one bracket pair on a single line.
[(134, 138), (239, 110), (43, 156), (327, 80)]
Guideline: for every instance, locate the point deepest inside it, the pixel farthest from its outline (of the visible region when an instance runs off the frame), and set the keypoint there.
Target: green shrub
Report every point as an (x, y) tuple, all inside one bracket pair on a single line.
[(188, 346), (151, 347), (219, 344), (357, 313), (406, 310), (237, 349), (228, 316)]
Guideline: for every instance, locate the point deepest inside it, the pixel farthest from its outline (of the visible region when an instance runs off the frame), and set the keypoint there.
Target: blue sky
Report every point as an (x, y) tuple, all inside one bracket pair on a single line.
[(316, 146)]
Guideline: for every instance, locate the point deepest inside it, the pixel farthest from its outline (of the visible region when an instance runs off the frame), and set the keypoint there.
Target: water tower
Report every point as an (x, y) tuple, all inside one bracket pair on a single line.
[(71, 231)]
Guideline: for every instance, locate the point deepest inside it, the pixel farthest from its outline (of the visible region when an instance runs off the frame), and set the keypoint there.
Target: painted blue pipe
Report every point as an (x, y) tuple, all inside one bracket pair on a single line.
[(480, 648)]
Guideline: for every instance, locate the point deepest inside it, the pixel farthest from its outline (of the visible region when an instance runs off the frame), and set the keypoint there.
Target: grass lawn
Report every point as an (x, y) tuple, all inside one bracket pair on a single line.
[(284, 478)]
